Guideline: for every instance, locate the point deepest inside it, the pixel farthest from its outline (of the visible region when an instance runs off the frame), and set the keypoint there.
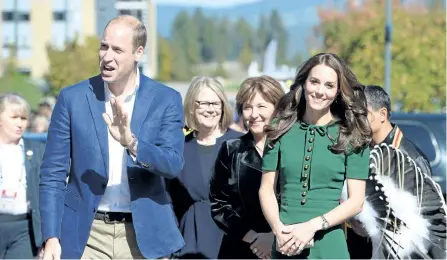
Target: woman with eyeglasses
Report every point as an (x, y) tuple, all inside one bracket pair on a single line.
[(208, 112)]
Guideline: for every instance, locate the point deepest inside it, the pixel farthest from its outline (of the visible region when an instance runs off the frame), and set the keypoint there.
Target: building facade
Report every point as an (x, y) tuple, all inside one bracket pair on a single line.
[(30, 25)]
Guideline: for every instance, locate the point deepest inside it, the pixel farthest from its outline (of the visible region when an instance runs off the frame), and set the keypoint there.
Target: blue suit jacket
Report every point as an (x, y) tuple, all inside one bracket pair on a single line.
[(77, 146)]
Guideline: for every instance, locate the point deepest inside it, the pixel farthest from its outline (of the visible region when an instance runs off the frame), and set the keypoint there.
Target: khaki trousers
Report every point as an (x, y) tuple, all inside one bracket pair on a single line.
[(112, 241)]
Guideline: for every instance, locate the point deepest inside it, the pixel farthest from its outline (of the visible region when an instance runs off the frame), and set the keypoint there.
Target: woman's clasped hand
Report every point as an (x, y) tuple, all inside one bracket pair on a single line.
[(262, 245), (293, 239)]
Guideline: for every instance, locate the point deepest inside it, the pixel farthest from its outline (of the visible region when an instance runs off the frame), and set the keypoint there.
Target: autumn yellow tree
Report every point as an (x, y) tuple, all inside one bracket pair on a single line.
[(356, 34), (165, 60), (73, 63)]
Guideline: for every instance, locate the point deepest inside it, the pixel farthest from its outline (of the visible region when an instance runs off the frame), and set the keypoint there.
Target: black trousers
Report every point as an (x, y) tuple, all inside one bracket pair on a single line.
[(359, 247), (16, 240)]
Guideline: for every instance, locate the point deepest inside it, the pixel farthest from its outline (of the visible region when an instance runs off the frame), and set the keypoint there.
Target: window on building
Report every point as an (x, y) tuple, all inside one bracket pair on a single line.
[(139, 15), (23, 16), (24, 42), (6, 42), (59, 16), (7, 16), (125, 12), (135, 13)]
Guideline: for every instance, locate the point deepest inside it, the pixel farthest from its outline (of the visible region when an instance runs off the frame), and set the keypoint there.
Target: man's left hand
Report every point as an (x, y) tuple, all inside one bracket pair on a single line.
[(119, 125)]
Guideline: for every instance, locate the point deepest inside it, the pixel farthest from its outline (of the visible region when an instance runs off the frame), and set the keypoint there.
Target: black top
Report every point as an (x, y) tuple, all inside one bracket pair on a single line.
[(207, 156), (189, 194), (398, 140), (235, 204)]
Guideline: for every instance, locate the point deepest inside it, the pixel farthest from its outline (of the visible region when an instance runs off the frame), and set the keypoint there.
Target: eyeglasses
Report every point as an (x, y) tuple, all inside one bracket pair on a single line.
[(207, 104)]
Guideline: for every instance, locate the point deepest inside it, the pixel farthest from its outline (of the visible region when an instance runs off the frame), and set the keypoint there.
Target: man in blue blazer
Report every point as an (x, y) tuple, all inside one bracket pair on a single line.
[(115, 136)]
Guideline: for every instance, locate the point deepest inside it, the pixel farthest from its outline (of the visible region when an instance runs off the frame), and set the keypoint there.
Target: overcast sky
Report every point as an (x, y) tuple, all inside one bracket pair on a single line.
[(209, 3)]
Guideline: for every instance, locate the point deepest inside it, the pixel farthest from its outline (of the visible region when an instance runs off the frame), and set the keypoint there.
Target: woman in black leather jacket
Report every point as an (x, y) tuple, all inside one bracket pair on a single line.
[(235, 183)]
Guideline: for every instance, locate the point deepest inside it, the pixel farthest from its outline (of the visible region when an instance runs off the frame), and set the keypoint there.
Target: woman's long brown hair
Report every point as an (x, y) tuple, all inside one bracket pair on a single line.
[(349, 106)]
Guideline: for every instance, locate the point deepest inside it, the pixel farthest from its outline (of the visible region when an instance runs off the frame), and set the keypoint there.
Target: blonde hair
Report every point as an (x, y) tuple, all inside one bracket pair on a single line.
[(197, 85), (16, 102)]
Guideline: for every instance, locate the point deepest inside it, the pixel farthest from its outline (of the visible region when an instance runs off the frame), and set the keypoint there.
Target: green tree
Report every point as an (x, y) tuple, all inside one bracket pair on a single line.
[(263, 34), (244, 41), (181, 69), (209, 40), (263, 37), (220, 71), (246, 55), (418, 52), (73, 63), (296, 60), (223, 42), (165, 59), (184, 36), (206, 35), (278, 32), (13, 81)]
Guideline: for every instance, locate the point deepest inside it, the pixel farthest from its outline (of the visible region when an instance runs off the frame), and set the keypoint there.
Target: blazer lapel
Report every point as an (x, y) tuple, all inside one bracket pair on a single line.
[(142, 105), (28, 156), (96, 101)]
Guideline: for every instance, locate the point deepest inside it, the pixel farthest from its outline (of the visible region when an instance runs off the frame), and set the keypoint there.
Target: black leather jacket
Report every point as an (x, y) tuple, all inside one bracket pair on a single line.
[(234, 187), (397, 138)]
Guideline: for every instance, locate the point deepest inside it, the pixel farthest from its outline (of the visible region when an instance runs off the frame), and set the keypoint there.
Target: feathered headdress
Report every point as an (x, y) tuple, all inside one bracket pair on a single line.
[(404, 211)]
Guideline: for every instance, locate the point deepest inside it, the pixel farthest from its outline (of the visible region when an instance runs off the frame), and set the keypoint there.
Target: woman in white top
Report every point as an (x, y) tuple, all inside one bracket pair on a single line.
[(20, 161)]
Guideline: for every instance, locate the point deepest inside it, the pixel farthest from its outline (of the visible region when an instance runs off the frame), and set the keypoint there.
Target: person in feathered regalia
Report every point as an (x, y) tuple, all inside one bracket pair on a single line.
[(404, 214)]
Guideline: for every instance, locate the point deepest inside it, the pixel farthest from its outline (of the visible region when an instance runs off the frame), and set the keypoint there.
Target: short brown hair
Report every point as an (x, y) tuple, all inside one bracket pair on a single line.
[(270, 90), (139, 30)]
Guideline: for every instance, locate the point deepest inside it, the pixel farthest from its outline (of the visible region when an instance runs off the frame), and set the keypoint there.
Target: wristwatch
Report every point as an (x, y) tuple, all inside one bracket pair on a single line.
[(132, 144), (325, 224)]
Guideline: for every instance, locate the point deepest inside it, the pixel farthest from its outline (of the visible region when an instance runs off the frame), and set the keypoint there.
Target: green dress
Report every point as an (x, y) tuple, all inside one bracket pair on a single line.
[(311, 180)]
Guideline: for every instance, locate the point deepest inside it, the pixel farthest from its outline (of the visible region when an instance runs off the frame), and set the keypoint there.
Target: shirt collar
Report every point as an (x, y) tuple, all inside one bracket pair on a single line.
[(21, 143), (389, 138), (109, 94)]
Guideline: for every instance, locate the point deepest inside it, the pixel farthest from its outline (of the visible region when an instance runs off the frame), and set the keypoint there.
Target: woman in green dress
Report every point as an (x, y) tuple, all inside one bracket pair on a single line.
[(318, 139)]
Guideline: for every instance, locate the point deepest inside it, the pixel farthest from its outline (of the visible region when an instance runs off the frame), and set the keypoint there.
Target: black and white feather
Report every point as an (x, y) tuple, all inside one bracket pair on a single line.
[(404, 211)]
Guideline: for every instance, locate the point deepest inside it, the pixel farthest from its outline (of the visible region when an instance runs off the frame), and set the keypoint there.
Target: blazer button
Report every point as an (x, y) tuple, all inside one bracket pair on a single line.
[(305, 185), (311, 140), (304, 194), (309, 149), (306, 167), (307, 158), (312, 132), (305, 175), (303, 201)]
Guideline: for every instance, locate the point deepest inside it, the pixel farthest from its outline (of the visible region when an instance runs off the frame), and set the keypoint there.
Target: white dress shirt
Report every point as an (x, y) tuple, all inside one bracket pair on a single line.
[(117, 195), (13, 179)]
